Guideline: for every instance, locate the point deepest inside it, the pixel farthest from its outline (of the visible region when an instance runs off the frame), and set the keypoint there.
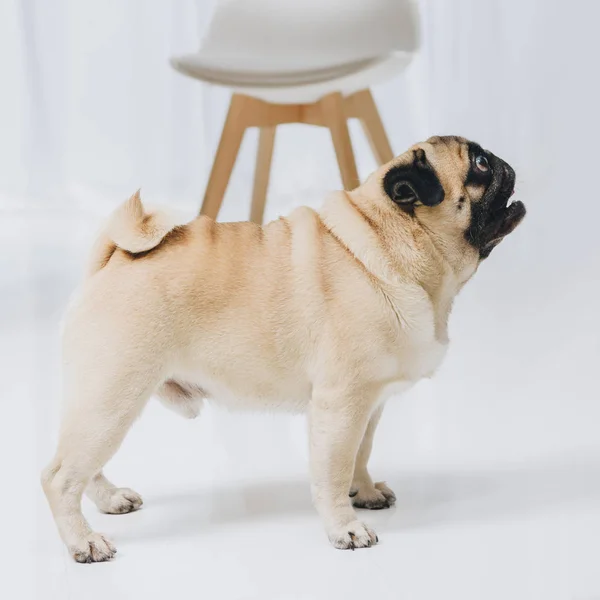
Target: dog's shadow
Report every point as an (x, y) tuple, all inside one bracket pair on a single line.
[(425, 499)]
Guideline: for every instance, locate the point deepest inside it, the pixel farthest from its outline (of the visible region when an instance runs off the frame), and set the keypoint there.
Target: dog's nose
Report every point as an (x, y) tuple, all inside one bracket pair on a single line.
[(509, 171)]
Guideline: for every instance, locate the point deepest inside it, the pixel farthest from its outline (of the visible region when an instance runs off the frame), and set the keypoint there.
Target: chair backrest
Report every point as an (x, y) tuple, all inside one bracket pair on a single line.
[(264, 36)]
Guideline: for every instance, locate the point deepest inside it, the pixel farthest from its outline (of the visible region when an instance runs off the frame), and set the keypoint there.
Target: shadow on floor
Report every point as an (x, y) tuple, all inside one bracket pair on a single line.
[(426, 499)]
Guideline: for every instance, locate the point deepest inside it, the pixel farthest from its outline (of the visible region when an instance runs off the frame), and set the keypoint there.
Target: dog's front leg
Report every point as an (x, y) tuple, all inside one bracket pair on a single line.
[(365, 493), (338, 419)]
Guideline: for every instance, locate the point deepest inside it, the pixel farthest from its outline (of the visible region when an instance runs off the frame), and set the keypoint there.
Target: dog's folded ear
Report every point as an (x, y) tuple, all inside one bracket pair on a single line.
[(414, 183)]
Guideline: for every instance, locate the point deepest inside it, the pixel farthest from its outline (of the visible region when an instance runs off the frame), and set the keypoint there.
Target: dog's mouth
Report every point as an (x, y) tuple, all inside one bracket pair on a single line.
[(505, 215), (495, 218)]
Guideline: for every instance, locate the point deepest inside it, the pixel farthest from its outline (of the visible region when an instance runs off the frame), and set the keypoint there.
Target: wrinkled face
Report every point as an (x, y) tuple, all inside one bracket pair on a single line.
[(457, 191)]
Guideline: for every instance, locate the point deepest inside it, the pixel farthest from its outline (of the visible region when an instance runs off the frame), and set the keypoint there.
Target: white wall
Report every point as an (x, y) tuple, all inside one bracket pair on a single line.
[(90, 111)]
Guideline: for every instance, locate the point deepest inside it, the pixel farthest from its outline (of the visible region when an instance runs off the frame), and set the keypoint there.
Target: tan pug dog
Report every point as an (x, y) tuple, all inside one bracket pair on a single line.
[(326, 312)]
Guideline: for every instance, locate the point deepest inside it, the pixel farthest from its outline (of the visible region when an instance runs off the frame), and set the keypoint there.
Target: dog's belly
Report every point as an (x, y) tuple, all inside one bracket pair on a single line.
[(271, 384), (251, 393)]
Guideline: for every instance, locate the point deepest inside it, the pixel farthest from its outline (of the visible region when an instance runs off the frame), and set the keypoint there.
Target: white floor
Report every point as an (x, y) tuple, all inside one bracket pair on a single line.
[(496, 463)]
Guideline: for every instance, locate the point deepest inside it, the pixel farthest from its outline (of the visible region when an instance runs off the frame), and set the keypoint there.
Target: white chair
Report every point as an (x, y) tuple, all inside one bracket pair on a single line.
[(300, 61)]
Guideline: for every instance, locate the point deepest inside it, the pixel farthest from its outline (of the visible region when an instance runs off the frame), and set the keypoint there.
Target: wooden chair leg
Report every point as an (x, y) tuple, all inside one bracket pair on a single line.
[(266, 141), (332, 111), (227, 151), (367, 112)]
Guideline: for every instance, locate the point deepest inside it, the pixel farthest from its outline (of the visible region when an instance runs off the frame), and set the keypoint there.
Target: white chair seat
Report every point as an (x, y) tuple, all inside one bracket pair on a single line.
[(299, 86), (287, 36), (197, 66)]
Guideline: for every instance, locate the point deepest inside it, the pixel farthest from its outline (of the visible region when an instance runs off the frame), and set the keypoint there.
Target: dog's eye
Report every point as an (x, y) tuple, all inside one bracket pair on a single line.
[(481, 162)]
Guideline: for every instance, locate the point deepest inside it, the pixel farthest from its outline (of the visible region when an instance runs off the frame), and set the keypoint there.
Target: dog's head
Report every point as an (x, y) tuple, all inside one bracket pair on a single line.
[(456, 190)]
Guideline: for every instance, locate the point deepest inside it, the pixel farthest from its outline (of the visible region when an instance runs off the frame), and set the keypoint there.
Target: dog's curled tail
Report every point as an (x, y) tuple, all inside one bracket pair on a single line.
[(132, 229)]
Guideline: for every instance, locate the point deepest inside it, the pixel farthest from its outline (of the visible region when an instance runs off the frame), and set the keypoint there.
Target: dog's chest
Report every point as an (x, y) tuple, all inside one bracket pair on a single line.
[(394, 388), (406, 373), (412, 362), (428, 359)]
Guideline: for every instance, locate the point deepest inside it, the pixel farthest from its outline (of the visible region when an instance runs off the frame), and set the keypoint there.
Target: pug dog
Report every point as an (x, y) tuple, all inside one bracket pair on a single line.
[(326, 312)]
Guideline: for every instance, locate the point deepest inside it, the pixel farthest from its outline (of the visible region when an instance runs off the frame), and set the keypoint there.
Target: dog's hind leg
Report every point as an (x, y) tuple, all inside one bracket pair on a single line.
[(101, 405)]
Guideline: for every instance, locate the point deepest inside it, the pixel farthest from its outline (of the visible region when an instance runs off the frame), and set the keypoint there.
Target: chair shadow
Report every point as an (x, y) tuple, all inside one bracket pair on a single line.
[(426, 499)]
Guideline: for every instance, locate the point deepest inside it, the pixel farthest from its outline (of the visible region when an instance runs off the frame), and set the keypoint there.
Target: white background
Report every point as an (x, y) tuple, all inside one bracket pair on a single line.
[(496, 462)]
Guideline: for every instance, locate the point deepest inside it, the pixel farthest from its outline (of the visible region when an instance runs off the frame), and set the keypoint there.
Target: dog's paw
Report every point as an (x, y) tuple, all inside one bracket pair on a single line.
[(374, 498), (94, 547), (121, 501), (353, 535)]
